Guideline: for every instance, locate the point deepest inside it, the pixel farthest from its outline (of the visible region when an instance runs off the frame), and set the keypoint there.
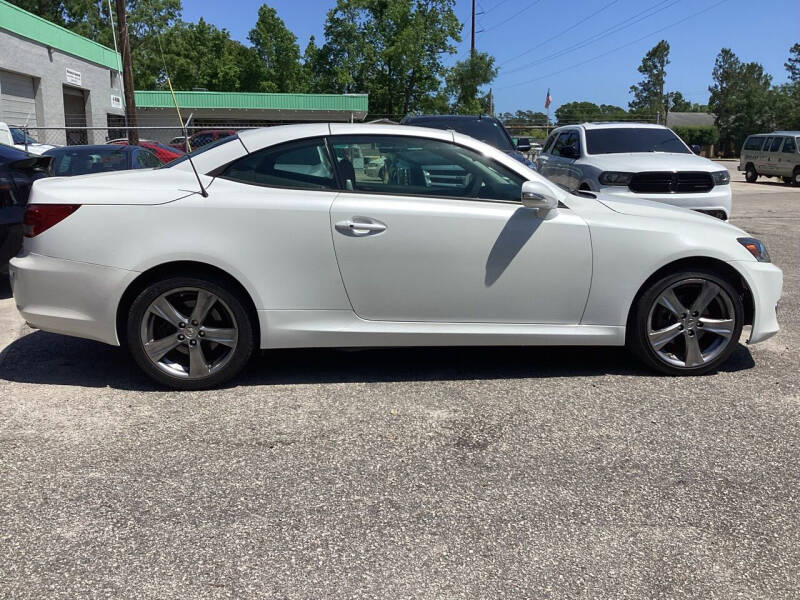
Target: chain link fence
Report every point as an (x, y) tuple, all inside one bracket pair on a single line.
[(167, 131)]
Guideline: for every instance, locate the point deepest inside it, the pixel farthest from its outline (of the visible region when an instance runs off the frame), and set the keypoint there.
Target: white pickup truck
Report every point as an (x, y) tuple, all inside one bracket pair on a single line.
[(14, 136)]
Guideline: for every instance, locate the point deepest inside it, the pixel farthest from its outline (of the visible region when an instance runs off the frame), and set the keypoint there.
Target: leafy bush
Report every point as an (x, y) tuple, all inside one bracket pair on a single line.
[(702, 135)]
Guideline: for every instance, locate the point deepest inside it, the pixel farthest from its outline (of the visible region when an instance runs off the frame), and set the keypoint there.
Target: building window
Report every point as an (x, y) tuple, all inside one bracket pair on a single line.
[(116, 125)]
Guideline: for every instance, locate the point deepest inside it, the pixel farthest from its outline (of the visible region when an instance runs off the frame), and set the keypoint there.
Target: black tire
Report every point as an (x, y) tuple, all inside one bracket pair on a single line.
[(228, 313), (796, 177), (718, 348), (750, 173)]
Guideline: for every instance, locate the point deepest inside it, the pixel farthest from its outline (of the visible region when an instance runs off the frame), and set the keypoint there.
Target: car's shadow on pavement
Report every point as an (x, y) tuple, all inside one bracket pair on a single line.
[(46, 358)]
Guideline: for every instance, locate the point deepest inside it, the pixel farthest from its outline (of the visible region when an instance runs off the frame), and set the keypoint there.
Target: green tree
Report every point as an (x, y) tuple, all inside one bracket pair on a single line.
[(277, 48), (677, 103), (390, 49), (793, 64), (200, 55), (464, 80), (648, 94), (580, 112), (741, 99)]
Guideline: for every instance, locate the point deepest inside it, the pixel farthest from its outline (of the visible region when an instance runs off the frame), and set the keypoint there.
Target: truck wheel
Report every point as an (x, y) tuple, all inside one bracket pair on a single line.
[(750, 173)]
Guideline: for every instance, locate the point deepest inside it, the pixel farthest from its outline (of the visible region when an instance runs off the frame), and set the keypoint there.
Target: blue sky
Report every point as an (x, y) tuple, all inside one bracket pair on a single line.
[(595, 48)]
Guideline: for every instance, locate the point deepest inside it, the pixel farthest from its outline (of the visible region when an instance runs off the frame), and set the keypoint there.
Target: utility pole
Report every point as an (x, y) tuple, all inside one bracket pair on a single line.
[(127, 74), (472, 45)]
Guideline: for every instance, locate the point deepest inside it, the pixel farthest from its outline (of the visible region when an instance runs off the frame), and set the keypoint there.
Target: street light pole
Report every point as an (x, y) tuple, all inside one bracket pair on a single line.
[(127, 74)]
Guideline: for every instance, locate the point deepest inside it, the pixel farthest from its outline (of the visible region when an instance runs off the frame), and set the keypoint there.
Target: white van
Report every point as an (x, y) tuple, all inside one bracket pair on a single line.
[(774, 154)]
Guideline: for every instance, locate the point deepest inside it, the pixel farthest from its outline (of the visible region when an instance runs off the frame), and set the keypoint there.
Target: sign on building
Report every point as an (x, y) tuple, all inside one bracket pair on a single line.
[(73, 77)]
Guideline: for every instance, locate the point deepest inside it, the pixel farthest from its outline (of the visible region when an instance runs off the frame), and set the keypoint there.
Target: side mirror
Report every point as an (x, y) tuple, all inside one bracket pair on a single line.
[(696, 148), (523, 144), (539, 196)]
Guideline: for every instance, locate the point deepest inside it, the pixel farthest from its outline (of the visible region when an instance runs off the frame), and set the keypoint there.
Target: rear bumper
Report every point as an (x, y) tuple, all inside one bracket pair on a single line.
[(719, 198), (69, 297), (766, 283)]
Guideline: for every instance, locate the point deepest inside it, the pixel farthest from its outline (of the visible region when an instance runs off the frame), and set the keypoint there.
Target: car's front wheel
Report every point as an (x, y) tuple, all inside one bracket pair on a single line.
[(686, 323), (750, 174), (796, 177), (190, 333)]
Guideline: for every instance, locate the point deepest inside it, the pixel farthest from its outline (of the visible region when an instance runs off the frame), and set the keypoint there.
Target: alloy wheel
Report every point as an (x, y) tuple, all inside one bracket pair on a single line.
[(189, 333), (691, 323)]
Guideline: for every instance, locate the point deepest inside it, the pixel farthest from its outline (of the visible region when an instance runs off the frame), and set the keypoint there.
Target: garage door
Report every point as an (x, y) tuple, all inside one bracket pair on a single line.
[(17, 99)]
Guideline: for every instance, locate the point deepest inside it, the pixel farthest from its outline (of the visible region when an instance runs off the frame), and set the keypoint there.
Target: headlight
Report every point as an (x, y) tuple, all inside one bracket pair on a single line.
[(615, 178), (756, 248), (721, 177)]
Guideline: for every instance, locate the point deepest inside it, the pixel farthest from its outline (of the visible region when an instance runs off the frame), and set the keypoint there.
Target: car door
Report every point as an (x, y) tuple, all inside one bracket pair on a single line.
[(762, 164), (570, 172), (789, 157), (443, 237), (543, 160)]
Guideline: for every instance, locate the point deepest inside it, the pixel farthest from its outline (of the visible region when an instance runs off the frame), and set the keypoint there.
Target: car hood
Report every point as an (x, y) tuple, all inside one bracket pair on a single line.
[(651, 161), (140, 186), (659, 210)]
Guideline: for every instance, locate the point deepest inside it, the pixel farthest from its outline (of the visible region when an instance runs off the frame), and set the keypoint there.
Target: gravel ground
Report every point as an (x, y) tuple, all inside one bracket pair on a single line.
[(456, 473)]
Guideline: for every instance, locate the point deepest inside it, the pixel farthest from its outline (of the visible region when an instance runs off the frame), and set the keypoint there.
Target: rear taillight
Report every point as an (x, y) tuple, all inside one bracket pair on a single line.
[(41, 217)]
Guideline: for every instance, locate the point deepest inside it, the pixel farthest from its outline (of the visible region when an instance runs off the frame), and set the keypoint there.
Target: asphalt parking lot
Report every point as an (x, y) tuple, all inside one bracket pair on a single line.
[(436, 473)]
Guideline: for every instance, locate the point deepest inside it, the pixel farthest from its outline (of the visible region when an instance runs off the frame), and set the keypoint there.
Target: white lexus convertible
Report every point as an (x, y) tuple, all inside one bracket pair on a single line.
[(291, 242)]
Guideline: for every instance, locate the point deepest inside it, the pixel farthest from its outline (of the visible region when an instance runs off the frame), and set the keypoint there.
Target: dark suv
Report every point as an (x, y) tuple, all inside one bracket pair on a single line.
[(481, 127)]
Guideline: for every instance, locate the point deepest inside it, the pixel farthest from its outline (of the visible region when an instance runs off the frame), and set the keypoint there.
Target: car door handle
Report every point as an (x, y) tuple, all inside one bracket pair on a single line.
[(360, 226)]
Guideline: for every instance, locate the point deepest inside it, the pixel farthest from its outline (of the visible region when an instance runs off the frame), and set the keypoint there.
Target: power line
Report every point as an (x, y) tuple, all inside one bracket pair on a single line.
[(560, 33), (625, 24), (636, 41), (515, 15)]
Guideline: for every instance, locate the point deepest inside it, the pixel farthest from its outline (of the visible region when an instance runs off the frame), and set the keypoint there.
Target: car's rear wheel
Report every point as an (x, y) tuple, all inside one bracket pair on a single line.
[(750, 173), (190, 333), (687, 323)]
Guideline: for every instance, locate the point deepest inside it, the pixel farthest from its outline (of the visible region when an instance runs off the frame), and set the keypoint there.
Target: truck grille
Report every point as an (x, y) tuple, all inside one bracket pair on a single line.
[(667, 182)]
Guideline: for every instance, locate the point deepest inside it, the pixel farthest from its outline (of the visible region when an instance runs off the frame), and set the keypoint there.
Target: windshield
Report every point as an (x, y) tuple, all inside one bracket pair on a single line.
[(19, 136), (85, 161), (485, 130), (630, 139), (200, 150)]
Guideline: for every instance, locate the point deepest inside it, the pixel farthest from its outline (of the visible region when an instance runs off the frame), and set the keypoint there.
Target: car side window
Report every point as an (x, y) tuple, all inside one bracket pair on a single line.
[(559, 144), (573, 140), (753, 143), (549, 143), (146, 159), (302, 164), (413, 166), (767, 144), (789, 146), (776, 144)]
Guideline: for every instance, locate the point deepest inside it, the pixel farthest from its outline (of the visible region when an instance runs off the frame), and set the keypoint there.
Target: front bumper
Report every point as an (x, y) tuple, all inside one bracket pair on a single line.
[(765, 281), (69, 297), (718, 199)]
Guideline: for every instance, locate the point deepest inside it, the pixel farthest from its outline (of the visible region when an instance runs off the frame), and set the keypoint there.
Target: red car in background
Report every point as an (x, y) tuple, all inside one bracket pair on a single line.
[(202, 138), (164, 153)]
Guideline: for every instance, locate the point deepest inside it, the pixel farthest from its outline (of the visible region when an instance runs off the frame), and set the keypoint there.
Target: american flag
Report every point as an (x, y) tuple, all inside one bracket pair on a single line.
[(548, 99)]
